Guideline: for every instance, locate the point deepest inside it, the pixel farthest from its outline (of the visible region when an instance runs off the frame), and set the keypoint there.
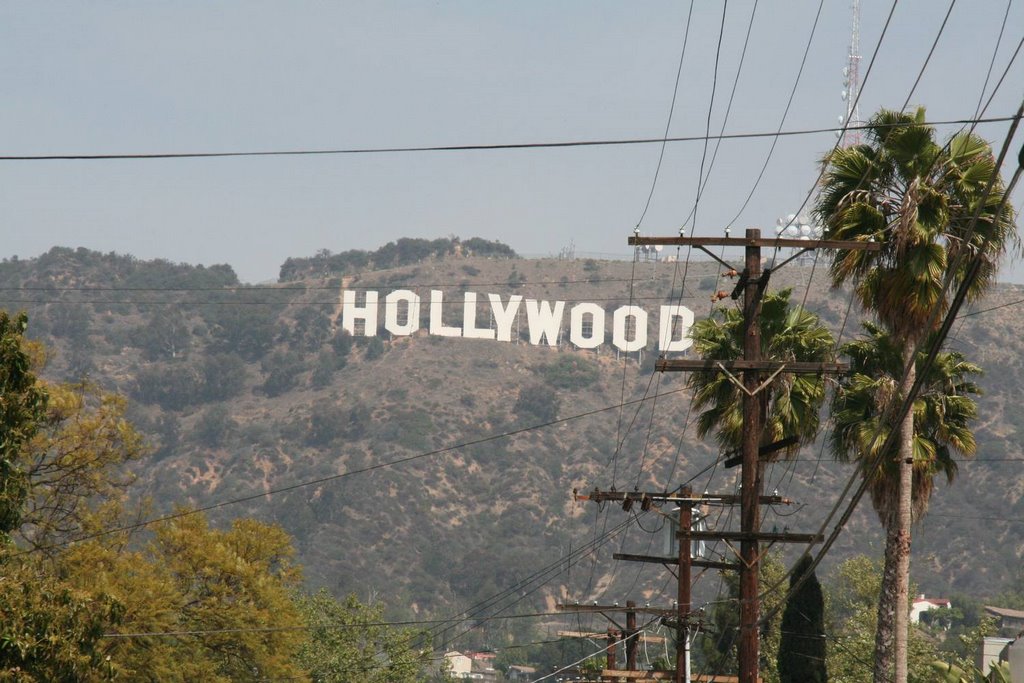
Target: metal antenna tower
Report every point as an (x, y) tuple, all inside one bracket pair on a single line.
[(851, 83)]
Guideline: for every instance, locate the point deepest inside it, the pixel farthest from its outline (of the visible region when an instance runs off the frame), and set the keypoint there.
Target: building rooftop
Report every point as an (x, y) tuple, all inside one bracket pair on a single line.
[(1005, 612)]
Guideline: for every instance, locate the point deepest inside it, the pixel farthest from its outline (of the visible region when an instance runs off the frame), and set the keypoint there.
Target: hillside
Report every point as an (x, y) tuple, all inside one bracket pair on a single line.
[(248, 389)]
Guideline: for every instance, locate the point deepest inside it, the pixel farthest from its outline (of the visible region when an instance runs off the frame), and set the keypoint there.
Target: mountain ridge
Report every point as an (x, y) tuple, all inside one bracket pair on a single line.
[(244, 390)]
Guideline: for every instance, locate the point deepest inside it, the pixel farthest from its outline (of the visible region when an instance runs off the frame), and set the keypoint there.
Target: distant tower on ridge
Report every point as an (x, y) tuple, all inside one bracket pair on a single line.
[(851, 83)]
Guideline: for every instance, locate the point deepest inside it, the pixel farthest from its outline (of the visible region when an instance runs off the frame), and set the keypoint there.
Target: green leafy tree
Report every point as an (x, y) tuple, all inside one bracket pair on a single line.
[(341, 342), (68, 445), (75, 465), (50, 630), (247, 328), (570, 371), (22, 409), (951, 673), (171, 385), (792, 406), (916, 199), (851, 617), (326, 364), (311, 330), (347, 642), (326, 423), (802, 646), (716, 651), (218, 602)]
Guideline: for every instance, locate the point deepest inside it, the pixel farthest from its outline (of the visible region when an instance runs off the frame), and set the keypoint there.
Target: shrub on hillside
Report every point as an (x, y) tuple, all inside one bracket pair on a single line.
[(536, 404), (223, 376), (282, 372), (326, 423), (172, 386), (570, 371), (214, 426)]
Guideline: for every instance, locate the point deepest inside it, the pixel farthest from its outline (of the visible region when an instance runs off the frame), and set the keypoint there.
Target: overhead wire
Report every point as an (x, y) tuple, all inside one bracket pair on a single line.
[(341, 475), (725, 117), (285, 287), (668, 123), (711, 108), (995, 52), (523, 594), (931, 51), (971, 314), (643, 629), (700, 175), (407, 623), (785, 114), (448, 148)]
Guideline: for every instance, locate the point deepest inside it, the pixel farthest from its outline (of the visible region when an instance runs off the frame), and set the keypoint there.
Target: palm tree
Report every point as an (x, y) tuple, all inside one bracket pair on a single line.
[(943, 411), (915, 198), (793, 401)]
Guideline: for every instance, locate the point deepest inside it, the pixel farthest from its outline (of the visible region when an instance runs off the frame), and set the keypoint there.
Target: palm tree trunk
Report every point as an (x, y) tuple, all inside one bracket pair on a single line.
[(886, 604), (894, 599), (903, 522)]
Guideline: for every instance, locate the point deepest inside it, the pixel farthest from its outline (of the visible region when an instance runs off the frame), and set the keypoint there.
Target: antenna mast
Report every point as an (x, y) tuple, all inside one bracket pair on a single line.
[(851, 83)]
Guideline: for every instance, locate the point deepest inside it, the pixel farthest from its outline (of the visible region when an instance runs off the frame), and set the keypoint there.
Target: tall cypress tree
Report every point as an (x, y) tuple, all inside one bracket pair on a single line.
[(802, 647)]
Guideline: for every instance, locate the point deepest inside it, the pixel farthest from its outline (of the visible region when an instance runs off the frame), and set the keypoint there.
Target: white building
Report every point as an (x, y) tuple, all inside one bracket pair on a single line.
[(923, 604), (459, 665)]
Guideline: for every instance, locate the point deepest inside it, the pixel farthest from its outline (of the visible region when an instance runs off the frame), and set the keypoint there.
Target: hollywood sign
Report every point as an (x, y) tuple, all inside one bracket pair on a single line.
[(545, 320)]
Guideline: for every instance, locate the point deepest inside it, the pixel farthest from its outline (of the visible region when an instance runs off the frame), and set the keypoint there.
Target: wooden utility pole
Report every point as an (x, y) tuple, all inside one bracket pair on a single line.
[(680, 617), (630, 634), (609, 659), (752, 284), (683, 591), (750, 475)]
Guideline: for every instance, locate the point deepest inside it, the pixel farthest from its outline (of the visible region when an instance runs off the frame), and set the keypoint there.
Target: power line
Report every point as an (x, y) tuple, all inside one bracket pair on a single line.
[(995, 52), (341, 475), (711, 107), (333, 304), (459, 148), (785, 113), (728, 110), (332, 627), (1018, 302), (306, 288), (928, 58), (544, 576), (668, 123)]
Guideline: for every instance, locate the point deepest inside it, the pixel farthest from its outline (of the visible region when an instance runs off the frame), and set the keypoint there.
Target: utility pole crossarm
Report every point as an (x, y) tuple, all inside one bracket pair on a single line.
[(652, 559), (586, 609), (701, 364), (599, 496), (783, 537), (769, 242), (643, 637)]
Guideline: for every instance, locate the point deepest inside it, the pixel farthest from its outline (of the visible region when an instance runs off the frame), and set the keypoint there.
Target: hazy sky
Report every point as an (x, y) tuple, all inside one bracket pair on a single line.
[(148, 76)]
